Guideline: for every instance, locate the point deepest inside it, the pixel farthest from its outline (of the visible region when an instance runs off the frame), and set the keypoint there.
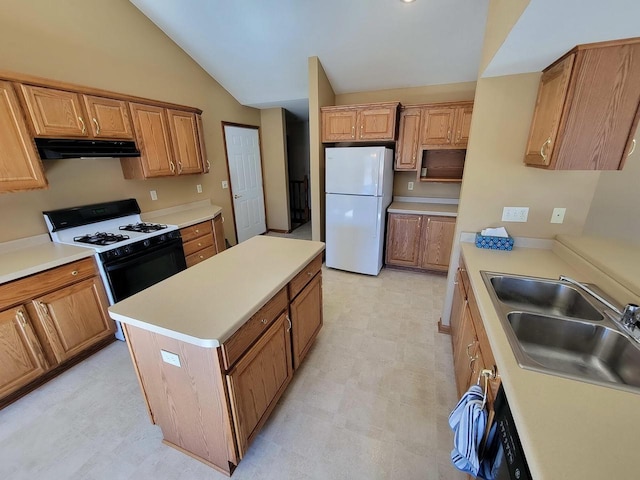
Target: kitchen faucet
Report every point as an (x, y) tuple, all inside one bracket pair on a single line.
[(629, 318)]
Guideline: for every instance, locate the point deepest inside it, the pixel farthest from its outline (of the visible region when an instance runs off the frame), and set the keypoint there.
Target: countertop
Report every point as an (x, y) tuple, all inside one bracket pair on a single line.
[(206, 303), (568, 429), (184, 215), (440, 209), (24, 257)]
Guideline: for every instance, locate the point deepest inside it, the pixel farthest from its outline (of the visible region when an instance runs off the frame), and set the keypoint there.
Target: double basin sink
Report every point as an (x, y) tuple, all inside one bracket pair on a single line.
[(555, 328)]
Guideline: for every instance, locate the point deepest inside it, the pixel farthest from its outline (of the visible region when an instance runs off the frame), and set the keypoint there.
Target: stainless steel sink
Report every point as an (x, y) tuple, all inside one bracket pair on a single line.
[(557, 329), (549, 297), (577, 349)]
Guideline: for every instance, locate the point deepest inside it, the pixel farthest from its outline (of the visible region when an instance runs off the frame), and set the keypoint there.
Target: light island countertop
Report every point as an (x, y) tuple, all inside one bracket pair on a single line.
[(24, 257), (206, 303), (569, 429)]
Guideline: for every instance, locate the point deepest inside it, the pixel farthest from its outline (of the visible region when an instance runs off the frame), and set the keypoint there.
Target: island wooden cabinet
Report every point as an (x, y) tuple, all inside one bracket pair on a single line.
[(587, 109), (408, 139), (258, 380), (169, 143), (20, 166), (446, 126), (419, 241), (359, 123), (47, 319), (21, 357)]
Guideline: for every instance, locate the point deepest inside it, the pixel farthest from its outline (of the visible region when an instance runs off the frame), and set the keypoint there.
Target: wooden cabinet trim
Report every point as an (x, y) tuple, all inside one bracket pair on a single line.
[(80, 89)]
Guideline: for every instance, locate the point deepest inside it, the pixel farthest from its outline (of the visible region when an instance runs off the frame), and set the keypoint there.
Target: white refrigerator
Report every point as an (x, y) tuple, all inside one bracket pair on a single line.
[(358, 186)]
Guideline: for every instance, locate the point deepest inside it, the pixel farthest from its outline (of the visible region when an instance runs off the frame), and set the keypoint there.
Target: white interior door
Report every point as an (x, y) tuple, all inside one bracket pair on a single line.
[(245, 170)]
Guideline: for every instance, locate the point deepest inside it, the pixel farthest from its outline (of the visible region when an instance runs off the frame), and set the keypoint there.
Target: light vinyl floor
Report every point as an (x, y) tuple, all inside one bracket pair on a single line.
[(370, 402)]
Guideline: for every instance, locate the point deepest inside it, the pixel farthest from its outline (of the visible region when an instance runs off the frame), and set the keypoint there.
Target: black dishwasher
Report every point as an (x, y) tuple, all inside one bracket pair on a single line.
[(510, 462)]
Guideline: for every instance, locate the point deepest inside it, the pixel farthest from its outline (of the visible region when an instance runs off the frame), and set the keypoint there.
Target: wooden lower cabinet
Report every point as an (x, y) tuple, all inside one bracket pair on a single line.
[(218, 234), (306, 317), (419, 241), (46, 320), (20, 353), (74, 318), (202, 240), (258, 380)]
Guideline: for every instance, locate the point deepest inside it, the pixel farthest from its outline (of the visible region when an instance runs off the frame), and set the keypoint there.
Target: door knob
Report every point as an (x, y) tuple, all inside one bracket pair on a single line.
[(237, 196)]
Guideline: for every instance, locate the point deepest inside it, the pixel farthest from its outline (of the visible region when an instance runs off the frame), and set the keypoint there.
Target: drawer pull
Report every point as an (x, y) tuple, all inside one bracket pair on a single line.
[(197, 231), (201, 256), (264, 321), (309, 273), (74, 273), (199, 244)]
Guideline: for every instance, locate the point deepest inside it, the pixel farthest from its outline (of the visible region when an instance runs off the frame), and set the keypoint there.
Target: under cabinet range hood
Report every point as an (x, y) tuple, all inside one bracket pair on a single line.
[(54, 148)]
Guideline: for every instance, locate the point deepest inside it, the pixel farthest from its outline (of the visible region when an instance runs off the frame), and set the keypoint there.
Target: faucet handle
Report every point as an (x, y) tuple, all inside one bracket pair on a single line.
[(631, 315)]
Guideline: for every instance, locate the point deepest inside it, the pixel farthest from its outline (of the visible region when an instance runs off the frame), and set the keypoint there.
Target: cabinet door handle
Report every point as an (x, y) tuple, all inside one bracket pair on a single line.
[(43, 307), (633, 148), (449, 135), (21, 320), (172, 167), (542, 149), (290, 324), (84, 127), (468, 347), (353, 131), (208, 166), (472, 365), (97, 126), (179, 168), (361, 126)]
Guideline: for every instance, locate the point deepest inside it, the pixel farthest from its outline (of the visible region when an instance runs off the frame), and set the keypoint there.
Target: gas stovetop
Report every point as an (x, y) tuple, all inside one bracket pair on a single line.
[(103, 226)]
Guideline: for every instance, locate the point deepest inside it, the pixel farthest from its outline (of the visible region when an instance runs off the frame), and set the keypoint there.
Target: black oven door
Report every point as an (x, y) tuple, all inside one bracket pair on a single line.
[(131, 274)]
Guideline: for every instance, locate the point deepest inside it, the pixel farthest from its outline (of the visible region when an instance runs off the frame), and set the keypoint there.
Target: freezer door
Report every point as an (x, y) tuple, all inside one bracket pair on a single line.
[(354, 170), (354, 233)]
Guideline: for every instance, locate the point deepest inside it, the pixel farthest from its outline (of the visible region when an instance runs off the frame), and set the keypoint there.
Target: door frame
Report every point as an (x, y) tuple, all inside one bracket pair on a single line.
[(226, 157)]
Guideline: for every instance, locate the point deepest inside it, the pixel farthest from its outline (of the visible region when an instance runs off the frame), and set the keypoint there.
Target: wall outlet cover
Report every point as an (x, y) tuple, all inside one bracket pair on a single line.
[(410, 185), (515, 214), (154, 194), (170, 358), (199, 188)]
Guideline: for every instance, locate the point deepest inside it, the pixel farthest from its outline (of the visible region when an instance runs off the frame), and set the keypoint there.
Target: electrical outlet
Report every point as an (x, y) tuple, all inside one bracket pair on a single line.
[(225, 184), (410, 185), (154, 194), (199, 188), (515, 214), (170, 358), (558, 215)]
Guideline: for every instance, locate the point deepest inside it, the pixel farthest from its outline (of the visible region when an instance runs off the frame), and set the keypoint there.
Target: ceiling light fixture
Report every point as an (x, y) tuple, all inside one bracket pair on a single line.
[(407, 1)]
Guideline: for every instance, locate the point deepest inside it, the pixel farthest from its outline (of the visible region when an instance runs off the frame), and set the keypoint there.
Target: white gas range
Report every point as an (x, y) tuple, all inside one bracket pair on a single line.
[(131, 255)]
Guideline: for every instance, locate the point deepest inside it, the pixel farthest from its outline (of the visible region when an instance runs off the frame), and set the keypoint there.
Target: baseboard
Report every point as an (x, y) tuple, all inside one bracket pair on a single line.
[(443, 328), (279, 231)]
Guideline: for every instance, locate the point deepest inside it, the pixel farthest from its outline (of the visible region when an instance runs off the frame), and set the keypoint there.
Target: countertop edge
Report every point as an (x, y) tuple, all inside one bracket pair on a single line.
[(47, 265)]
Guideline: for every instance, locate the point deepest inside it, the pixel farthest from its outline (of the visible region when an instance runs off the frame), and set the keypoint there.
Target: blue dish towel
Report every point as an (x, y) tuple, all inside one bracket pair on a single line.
[(469, 422)]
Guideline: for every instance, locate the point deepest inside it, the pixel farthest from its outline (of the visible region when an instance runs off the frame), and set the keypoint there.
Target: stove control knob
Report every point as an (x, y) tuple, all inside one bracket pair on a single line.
[(146, 243), (127, 249), (163, 238)]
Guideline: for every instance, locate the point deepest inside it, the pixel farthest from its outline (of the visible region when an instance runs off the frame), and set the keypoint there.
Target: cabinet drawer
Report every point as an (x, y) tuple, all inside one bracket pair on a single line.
[(194, 231), (200, 256), (305, 276), (36, 285), (248, 333), (197, 244)]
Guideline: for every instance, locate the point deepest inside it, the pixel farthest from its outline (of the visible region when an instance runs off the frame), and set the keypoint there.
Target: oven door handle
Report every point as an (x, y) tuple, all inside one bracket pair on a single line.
[(116, 264)]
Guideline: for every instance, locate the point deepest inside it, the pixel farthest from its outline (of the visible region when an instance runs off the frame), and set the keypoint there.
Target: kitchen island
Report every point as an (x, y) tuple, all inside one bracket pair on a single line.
[(215, 346)]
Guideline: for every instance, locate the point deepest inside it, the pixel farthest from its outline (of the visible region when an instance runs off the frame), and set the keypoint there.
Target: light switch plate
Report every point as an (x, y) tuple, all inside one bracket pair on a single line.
[(515, 214), (558, 215), (225, 184), (170, 358), (410, 185), (154, 194), (199, 188)]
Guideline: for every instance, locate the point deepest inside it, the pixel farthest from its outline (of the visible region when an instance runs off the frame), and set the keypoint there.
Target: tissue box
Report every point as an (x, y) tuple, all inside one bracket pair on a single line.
[(494, 243)]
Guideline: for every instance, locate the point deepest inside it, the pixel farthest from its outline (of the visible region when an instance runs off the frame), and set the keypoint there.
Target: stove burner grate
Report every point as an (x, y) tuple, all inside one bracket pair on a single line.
[(101, 238), (143, 227)]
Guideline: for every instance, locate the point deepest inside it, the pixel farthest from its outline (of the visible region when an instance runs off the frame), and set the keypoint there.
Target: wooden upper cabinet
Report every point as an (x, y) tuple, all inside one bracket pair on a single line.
[(206, 164), (436, 242), (360, 123), (186, 145), (446, 126), (20, 166), (546, 119), (55, 113), (108, 117), (377, 123), (408, 139), (20, 356), (587, 108), (339, 125), (152, 137)]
